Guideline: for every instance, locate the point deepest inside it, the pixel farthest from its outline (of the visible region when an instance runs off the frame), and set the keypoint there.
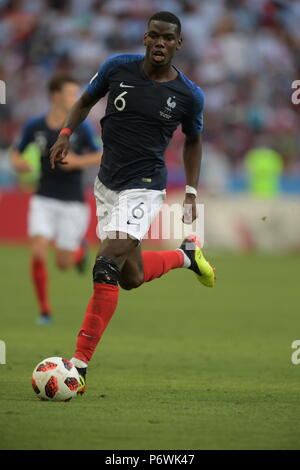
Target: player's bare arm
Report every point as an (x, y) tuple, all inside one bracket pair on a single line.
[(192, 152), (77, 115)]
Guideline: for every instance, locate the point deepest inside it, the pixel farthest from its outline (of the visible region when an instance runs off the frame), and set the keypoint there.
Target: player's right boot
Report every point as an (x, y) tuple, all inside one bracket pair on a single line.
[(82, 379), (192, 248)]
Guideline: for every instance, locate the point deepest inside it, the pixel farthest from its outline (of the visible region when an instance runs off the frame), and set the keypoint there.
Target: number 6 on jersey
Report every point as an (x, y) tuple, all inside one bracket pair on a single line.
[(120, 98)]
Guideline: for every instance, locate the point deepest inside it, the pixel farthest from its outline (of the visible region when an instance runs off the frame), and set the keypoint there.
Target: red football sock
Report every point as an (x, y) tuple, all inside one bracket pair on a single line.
[(99, 311), (40, 281), (157, 263)]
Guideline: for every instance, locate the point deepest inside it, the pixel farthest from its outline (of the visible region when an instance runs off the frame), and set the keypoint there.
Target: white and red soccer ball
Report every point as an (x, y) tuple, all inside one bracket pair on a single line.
[(55, 379)]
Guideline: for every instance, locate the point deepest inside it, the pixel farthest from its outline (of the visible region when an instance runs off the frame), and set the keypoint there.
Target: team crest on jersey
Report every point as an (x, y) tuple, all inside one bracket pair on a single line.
[(171, 104)]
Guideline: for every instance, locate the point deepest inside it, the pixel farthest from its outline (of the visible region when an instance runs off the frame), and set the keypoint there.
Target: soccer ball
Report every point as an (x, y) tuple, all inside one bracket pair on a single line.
[(55, 379)]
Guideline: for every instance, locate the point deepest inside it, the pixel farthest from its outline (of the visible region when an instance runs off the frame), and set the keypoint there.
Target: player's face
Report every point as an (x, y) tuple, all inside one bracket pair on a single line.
[(67, 96), (161, 41)]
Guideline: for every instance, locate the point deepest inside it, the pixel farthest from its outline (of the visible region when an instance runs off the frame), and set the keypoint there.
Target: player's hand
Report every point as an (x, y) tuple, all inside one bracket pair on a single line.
[(189, 209), (21, 166), (59, 150), (72, 162)]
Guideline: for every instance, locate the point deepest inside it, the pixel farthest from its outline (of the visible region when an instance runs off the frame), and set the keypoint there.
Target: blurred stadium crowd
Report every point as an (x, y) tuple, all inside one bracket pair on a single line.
[(245, 54)]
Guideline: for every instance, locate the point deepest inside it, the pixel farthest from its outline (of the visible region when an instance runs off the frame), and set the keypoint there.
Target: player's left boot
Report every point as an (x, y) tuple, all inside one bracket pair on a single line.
[(81, 265), (192, 248), (82, 378)]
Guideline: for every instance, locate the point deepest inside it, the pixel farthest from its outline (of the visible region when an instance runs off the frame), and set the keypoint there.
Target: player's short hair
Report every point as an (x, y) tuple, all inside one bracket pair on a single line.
[(57, 82), (168, 17)]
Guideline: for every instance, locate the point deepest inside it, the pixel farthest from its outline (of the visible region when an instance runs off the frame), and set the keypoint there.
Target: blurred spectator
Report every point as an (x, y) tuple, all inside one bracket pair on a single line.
[(264, 168), (215, 170), (244, 54)]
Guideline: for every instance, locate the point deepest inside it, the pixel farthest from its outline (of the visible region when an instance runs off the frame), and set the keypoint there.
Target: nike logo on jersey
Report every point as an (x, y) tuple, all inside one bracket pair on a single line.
[(122, 85)]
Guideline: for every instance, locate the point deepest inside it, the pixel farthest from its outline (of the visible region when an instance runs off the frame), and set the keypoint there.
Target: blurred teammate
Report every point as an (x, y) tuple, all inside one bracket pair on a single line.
[(57, 211), (148, 98)]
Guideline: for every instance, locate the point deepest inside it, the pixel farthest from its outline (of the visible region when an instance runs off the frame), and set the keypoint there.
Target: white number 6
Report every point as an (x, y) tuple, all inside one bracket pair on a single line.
[(121, 99)]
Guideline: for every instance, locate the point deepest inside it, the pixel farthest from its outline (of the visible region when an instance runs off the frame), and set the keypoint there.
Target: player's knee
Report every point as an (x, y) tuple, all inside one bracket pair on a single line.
[(106, 271), (39, 246), (117, 248), (39, 252)]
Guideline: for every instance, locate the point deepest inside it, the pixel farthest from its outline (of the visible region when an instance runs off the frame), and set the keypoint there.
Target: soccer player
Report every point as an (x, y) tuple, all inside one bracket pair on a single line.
[(57, 211), (147, 99)]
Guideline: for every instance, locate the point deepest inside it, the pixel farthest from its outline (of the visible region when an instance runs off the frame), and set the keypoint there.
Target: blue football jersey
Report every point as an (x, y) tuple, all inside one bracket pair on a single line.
[(58, 183), (140, 118)]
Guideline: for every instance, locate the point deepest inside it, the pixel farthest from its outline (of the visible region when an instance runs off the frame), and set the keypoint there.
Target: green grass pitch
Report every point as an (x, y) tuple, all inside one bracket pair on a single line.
[(179, 367)]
